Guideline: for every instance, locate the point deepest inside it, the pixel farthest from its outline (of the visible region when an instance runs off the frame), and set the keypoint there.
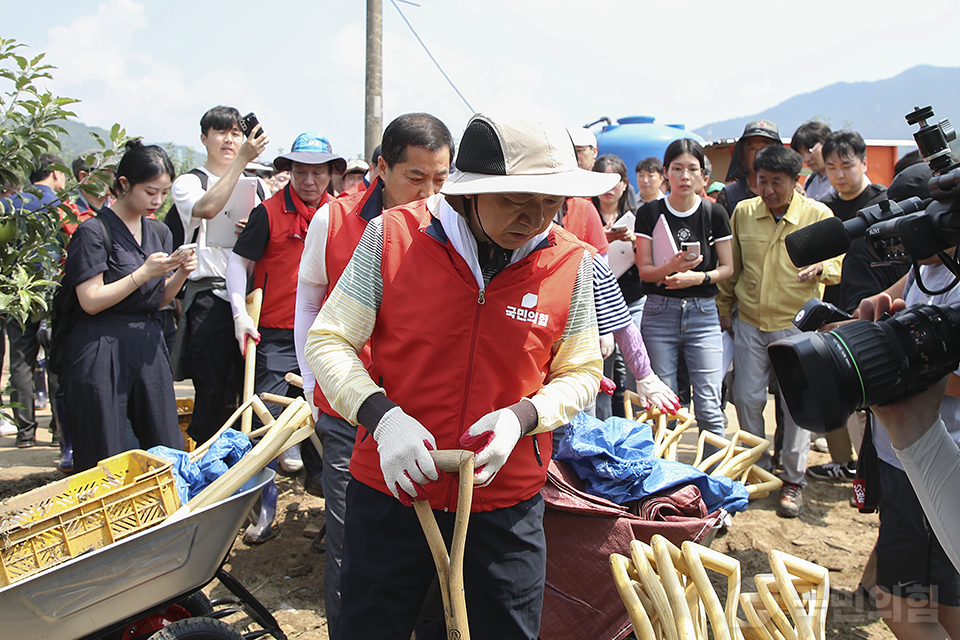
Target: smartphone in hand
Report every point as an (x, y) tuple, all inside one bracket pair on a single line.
[(693, 248), (247, 123), (184, 249)]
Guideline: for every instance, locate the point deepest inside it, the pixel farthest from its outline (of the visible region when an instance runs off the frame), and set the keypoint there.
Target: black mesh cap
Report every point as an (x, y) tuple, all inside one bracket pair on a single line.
[(480, 150)]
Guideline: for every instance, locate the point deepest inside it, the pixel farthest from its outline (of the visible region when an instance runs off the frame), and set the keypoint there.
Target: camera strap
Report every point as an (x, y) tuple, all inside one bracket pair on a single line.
[(866, 486)]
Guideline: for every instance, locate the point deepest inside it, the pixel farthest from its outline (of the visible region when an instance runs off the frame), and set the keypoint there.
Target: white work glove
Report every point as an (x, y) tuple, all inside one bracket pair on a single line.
[(653, 391), (308, 396), (607, 345), (244, 326), (498, 432), (404, 446)]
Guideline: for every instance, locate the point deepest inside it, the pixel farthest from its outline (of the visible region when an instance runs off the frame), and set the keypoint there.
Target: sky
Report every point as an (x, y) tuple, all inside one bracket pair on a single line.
[(155, 67)]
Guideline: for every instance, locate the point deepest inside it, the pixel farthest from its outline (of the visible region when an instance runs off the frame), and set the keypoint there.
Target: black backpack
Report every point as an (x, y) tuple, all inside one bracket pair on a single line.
[(172, 219), (65, 312)]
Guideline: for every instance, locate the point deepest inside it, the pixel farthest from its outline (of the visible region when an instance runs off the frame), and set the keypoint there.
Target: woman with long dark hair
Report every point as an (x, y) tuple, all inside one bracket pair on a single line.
[(680, 312), (612, 206), (115, 362)]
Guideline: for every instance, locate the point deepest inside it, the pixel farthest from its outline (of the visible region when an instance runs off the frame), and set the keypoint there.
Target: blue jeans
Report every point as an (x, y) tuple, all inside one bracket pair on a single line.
[(694, 324)]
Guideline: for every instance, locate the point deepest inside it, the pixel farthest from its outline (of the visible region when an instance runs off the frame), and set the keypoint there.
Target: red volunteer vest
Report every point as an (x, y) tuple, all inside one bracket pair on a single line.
[(276, 271), (346, 226), (448, 356), (81, 216), (583, 220)]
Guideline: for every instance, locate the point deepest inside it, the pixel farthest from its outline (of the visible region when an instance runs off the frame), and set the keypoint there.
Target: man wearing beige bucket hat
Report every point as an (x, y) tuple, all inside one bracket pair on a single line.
[(481, 319)]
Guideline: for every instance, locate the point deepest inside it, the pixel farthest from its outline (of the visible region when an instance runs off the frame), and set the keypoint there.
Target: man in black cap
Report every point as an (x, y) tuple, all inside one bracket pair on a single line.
[(756, 135)]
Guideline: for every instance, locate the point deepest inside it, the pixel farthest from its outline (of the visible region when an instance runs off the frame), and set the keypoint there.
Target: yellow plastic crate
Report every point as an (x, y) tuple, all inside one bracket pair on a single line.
[(123, 495)]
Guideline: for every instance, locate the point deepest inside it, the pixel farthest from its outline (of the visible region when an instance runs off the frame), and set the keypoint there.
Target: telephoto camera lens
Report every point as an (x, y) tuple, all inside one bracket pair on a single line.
[(825, 377)]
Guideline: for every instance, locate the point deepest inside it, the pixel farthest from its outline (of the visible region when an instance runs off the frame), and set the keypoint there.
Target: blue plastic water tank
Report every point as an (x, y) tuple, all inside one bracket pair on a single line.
[(634, 138)]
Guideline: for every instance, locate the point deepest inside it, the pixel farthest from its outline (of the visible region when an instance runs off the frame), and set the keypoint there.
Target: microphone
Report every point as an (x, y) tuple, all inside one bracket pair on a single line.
[(830, 237), (817, 242)]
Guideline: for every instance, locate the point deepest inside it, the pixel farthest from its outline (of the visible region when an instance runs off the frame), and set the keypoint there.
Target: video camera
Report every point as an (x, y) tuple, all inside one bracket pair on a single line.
[(824, 377)]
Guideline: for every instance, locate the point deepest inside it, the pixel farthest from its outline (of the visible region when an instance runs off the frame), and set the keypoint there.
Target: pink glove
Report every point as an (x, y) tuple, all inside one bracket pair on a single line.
[(498, 433), (404, 446)]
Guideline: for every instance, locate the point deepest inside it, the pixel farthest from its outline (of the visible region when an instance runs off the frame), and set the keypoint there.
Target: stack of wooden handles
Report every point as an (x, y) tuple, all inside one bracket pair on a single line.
[(734, 457), (669, 596), (294, 425)]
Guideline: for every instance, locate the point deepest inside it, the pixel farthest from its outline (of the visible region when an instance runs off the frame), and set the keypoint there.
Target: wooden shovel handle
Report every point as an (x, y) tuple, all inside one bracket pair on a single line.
[(254, 301), (451, 460), (450, 565)]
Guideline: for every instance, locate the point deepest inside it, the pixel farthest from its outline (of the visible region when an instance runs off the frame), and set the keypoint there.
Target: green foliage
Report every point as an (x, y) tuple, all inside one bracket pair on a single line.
[(30, 123), (78, 141)]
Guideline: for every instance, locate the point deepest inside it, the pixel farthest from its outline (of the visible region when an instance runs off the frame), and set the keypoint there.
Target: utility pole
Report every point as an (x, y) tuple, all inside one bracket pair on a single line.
[(373, 126)]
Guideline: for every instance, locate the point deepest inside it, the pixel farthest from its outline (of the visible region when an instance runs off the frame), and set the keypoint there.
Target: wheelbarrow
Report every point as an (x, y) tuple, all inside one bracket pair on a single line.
[(112, 591), (135, 586)]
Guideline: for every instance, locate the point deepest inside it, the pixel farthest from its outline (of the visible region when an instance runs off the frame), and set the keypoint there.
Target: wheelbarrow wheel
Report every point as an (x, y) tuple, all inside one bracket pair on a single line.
[(198, 629), (197, 604)]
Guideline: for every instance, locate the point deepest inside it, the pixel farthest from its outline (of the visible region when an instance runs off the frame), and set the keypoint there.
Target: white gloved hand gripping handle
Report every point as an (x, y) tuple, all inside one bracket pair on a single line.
[(501, 430), (244, 326), (404, 446)]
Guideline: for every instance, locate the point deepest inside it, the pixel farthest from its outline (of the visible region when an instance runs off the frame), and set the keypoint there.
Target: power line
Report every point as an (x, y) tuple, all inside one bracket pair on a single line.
[(422, 44)]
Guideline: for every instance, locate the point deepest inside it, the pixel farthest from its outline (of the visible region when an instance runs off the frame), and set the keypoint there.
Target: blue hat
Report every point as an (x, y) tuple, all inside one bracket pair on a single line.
[(311, 148)]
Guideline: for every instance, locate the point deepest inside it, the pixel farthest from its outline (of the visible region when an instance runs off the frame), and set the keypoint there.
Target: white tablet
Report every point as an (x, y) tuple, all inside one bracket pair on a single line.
[(222, 228)]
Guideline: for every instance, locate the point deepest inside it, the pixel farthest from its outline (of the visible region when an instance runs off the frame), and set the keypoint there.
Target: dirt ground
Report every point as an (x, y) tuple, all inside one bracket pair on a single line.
[(286, 574)]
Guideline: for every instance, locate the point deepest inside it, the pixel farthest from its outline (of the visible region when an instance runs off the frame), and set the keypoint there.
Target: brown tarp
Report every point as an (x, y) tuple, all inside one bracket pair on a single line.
[(582, 530)]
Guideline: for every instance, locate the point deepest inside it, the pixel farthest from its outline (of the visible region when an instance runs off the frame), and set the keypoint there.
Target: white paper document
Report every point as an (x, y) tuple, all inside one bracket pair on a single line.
[(620, 254)]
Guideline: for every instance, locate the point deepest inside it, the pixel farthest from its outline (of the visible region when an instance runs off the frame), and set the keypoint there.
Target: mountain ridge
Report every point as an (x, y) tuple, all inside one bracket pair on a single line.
[(875, 109)]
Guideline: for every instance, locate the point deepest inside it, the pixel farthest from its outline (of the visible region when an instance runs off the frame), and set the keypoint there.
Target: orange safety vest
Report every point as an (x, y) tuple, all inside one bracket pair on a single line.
[(583, 220), (81, 216), (276, 271), (449, 355)]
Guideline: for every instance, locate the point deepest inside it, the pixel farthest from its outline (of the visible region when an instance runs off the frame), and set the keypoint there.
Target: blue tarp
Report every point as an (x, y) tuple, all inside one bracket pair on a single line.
[(191, 477), (615, 459)]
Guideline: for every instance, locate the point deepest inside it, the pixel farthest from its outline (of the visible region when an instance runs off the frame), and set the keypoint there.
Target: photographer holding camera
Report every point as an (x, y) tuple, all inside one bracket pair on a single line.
[(900, 366), (929, 454), (912, 563), (919, 472)]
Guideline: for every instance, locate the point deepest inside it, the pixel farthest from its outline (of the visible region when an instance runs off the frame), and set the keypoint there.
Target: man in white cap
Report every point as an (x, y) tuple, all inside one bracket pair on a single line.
[(481, 319), (585, 142), (356, 169)]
